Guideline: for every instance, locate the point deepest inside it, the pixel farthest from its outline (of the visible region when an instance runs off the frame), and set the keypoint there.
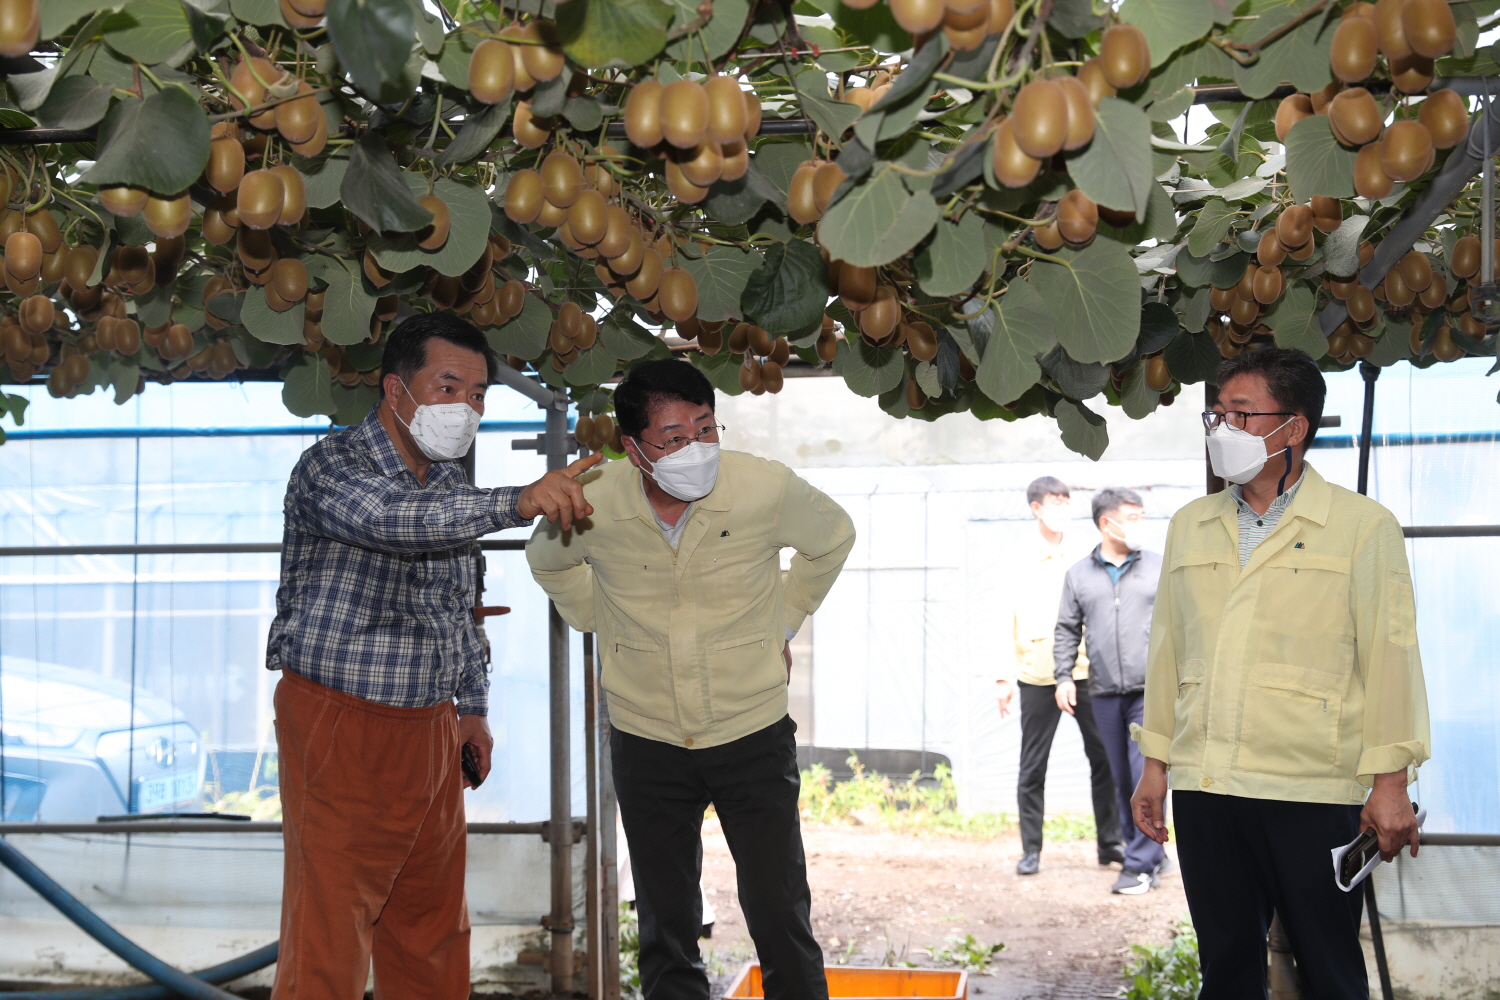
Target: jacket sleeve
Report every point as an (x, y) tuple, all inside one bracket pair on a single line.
[(1158, 724), (474, 690), (1395, 721), (822, 533), (1068, 633), (558, 561)]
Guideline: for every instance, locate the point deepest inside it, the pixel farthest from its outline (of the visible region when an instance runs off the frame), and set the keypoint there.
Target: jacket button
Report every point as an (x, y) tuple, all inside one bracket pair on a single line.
[(689, 741), (1206, 781)]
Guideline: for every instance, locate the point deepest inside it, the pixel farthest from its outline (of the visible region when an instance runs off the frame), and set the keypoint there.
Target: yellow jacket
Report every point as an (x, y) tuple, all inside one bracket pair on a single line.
[(1297, 677), (1038, 583), (690, 641)]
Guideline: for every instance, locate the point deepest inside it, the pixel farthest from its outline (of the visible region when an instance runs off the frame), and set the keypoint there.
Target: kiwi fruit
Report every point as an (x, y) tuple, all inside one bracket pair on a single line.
[(752, 115), (259, 199), (289, 278), (1269, 284), (918, 16), (1012, 166), (1411, 73), (683, 189), (297, 119), (1039, 119), (965, 39), (1047, 237), (1245, 287), (646, 281), (36, 315), (1355, 45), (1269, 252), (530, 131), (1294, 226), (1370, 178), (1446, 118), (1244, 311), (1328, 213), (1124, 56), (921, 340), (492, 71), (629, 262), (760, 341), (736, 160), (1080, 111), (293, 195), (617, 230), (771, 378), (856, 286), (702, 165), (1157, 375), (253, 78), (20, 26), (749, 375), (1443, 348), (1361, 304), (523, 196), (1396, 290), (878, 320), (23, 255), (861, 97), (179, 342), (314, 146), (1428, 27), (1392, 35), (217, 218), (1354, 116), (802, 202), (726, 109), (1292, 109), (1464, 261), (643, 114), (1091, 75), (1002, 12), (826, 179), (132, 264), (588, 219), (684, 113), (543, 58), (1405, 150), (226, 163), (43, 225), (678, 293), (562, 178), (168, 217), (79, 261), (1416, 270), (123, 201), (1077, 218)]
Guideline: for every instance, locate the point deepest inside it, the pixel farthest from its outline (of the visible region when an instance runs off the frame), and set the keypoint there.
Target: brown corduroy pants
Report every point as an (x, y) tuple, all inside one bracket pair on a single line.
[(373, 822)]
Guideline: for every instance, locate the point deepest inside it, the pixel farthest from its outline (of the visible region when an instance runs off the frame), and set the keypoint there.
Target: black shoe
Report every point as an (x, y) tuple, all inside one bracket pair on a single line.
[(1029, 864), (1112, 856)]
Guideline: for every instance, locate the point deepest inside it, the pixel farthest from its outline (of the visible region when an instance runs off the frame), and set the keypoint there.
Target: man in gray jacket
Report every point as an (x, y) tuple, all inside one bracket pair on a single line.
[(1111, 593)]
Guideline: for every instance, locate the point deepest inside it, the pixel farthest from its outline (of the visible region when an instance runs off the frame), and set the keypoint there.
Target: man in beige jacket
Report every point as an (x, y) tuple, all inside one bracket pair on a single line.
[(679, 573)]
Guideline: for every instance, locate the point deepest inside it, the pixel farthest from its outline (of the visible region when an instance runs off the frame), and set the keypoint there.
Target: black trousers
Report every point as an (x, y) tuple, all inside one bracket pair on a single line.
[(1039, 716), (753, 784), (1243, 858)]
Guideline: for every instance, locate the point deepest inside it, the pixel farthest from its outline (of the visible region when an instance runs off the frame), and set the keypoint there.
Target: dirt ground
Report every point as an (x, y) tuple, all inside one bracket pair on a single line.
[(880, 896)]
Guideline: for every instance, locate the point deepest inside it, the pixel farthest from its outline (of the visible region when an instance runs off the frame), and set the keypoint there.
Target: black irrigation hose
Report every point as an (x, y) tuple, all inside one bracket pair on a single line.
[(225, 972)]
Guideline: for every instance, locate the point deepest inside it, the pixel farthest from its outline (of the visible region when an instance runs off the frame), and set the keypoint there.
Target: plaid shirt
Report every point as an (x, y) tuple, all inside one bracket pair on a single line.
[(377, 574)]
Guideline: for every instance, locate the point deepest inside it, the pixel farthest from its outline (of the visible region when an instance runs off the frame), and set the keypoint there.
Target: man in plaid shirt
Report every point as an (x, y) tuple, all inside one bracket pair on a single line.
[(375, 638)]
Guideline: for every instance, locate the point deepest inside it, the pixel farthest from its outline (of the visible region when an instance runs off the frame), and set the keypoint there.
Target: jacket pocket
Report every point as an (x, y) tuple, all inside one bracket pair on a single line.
[(743, 671), (1187, 712), (1289, 723), (636, 671)]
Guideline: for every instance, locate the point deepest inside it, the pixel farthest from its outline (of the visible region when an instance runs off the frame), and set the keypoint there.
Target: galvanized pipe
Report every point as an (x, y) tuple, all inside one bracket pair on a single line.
[(560, 921)]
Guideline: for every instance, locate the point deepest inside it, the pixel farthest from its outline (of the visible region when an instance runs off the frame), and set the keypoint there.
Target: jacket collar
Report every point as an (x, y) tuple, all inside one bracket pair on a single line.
[(631, 502), (1311, 502)]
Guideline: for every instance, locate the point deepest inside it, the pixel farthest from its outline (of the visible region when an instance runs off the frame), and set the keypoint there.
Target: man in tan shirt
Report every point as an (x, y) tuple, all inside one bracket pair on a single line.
[(1037, 577), (679, 573)]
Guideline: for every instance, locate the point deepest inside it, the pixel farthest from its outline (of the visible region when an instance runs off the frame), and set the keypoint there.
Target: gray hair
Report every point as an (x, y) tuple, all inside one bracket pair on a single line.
[(1107, 501)]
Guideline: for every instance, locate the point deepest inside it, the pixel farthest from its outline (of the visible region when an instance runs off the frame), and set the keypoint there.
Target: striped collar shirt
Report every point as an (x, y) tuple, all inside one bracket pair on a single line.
[(1255, 527), (378, 574)]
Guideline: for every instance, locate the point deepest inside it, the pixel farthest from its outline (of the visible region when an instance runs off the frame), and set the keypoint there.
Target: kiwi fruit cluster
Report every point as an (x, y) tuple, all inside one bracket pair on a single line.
[(1074, 222), (700, 130), (20, 26), (965, 22), (521, 57), (881, 312), (597, 432)]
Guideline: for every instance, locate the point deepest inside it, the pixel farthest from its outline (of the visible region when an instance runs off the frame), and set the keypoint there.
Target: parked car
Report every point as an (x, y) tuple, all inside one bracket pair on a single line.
[(70, 753)]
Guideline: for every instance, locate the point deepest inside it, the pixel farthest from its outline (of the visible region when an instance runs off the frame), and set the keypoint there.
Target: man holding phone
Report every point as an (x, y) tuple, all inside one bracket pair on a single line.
[(1284, 691), (375, 638)]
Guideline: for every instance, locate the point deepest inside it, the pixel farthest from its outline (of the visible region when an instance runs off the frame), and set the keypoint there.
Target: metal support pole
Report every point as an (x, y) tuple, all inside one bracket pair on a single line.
[(560, 921), (1382, 967), (1369, 373), (592, 911), (609, 875)]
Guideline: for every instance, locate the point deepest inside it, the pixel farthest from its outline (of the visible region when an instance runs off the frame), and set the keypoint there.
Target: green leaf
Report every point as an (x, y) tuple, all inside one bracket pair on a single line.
[(1092, 300), (720, 274), (833, 117), (1114, 169), (375, 189), (323, 177), (476, 135), (155, 307), (626, 339), (1316, 163), (160, 143), (1341, 248), (869, 371), (718, 35), (205, 28), (789, 290), (1023, 329), (1168, 24), (737, 201), (623, 33), (777, 161), (874, 26), (307, 388), (1083, 430), (74, 102), (955, 257), (351, 404), (584, 113), (595, 365), (1074, 18), (468, 231), (269, 326), (1192, 357), (1299, 57), (721, 369), (262, 12), (1138, 399), (59, 15), (148, 31), (347, 307), (877, 221), (373, 40), (1196, 272), (525, 335), (429, 28), (1211, 227), (1294, 319)]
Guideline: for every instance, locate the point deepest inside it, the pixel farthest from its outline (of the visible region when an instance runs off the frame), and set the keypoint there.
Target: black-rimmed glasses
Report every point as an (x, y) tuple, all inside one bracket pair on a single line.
[(1237, 418), (680, 440)]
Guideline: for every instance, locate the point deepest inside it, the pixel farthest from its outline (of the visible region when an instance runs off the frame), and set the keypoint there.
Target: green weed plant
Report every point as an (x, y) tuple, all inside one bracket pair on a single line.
[(1165, 972)]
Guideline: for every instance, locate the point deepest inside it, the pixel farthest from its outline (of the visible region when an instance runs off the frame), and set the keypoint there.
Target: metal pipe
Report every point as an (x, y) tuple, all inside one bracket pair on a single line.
[(1454, 531), (91, 924), (1369, 373), (1461, 840), (224, 972), (592, 912), (232, 826), (560, 920), (203, 549), (609, 882), (1377, 939)]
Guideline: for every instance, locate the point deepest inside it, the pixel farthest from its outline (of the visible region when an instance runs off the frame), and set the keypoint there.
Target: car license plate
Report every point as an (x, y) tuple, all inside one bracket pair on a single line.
[(154, 793)]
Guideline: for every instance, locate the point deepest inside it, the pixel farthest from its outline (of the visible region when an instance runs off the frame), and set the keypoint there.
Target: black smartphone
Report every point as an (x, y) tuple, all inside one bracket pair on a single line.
[(1359, 854), (469, 761)]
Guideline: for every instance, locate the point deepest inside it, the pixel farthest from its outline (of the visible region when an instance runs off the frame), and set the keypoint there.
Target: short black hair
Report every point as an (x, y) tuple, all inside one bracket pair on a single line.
[(1044, 487), (406, 348), (1292, 379), (655, 382), (1107, 501)]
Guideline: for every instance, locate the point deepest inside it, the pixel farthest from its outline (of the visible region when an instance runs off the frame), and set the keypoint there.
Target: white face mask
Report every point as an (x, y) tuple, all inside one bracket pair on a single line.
[(1238, 456), (444, 431), (1128, 534), (1056, 517), (690, 472)]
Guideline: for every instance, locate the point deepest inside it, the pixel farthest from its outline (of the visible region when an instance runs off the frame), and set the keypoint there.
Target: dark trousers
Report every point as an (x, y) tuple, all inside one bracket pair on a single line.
[(1243, 858), (753, 784), (1113, 714), (1039, 716)]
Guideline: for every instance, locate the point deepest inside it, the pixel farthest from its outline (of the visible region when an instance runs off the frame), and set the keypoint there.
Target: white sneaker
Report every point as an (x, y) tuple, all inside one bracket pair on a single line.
[(1134, 883)]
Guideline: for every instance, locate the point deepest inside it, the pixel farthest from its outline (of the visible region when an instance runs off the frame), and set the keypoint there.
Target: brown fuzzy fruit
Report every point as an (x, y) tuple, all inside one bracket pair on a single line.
[(1269, 252), (297, 119), (1002, 12), (678, 294), (1412, 73), (726, 109), (588, 219), (293, 195), (226, 163), (523, 197), (826, 180), (1328, 213), (434, 234), (1370, 178), (1361, 304), (684, 113), (1355, 44), (492, 71), (78, 265), (1124, 56), (1269, 284), (736, 160), (43, 225), (1428, 26), (878, 319), (36, 315), (856, 287), (562, 178), (1290, 111), (921, 341), (646, 281), (544, 58), (259, 199), (704, 164), (918, 16), (23, 255), (1397, 292), (1047, 237), (1446, 118), (1388, 25), (1039, 119), (1080, 112), (1465, 259), (123, 201), (1157, 375), (1077, 218), (132, 264), (20, 26), (288, 280), (1013, 168), (1405, 150), (683, 189), (643, 114), (1091, 75), (1294, 226), (530, 131), (802, 202), (251, 77), (1416, 270), (1354, 116), (168, 217)]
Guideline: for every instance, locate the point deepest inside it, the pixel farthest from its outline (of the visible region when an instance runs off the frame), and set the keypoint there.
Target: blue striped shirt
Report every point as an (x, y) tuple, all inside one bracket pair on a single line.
[(1255, 527), (378, 574)]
